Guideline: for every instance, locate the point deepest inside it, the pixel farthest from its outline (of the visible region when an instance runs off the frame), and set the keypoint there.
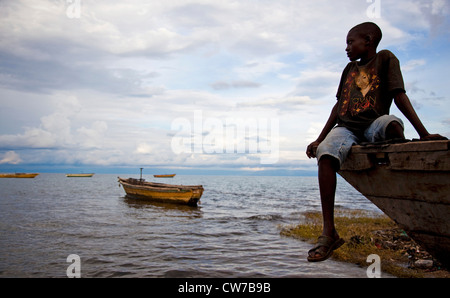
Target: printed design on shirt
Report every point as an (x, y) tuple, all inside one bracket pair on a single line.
[(358, 93)]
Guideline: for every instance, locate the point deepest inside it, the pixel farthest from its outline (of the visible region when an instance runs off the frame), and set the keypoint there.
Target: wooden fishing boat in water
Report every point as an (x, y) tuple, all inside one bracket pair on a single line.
[(410, 183), (164, 176), (152, 191), (80, 175), (18, 175)]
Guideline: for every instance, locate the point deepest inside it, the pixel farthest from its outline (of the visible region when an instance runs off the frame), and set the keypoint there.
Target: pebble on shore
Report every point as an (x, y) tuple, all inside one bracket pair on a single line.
[(367, 233)]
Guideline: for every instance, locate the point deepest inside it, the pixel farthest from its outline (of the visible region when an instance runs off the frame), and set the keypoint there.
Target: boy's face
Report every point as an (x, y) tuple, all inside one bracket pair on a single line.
[(357, 46)]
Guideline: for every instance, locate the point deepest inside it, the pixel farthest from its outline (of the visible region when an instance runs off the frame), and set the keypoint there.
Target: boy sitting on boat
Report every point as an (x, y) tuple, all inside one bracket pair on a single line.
[(365, 94)]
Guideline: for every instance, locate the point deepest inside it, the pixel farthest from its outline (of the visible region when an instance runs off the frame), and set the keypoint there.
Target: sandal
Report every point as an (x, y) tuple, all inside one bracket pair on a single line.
[(329, 244)]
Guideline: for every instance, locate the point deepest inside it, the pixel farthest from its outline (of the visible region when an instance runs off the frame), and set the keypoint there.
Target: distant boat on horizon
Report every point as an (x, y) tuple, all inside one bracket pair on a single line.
[(18, 175), (80, 175), (164, 176)]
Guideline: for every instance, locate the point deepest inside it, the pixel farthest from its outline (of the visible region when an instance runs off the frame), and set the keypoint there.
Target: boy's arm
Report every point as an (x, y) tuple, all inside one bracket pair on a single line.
[(404, 105), (332, 120)]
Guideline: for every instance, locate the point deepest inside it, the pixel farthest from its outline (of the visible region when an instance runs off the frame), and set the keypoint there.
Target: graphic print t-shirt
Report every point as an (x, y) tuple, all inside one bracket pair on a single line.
[(366, 91)]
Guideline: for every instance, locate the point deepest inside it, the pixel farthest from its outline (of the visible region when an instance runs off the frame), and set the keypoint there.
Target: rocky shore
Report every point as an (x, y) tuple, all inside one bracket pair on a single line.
[(415, 258), (367, 233)]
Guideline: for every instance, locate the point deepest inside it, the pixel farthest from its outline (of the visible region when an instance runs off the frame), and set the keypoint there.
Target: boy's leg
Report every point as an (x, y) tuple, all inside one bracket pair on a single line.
[(329, 240), (330, 154), (328, 167)]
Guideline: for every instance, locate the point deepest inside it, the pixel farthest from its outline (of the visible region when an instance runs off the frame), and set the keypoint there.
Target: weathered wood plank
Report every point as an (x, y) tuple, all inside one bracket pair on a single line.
[(404, 147), (414, 185), (412, 214), (418, 161), (357, 162)]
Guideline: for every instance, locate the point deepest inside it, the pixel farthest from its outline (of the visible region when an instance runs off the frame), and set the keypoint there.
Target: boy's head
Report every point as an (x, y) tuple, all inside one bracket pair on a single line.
[(361, 39)]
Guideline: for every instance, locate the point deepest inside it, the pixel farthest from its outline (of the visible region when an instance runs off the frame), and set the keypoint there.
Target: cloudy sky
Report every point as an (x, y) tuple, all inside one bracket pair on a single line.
[(191, 84)]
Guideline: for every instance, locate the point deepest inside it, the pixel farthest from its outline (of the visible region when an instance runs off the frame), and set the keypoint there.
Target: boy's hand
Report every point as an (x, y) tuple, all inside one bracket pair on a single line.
[(433, 137), (311, 149)]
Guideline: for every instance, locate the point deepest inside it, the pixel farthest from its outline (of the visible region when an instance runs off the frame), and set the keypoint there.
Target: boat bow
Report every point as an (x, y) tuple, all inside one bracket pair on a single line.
[(170, 193), (409, 182)]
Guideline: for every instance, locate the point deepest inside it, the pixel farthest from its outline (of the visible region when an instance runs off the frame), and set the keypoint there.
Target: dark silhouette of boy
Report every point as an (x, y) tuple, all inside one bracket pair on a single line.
[(365, 94)]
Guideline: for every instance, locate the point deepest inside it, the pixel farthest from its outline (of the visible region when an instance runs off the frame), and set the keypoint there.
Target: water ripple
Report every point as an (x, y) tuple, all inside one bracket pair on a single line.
[(233, 233)]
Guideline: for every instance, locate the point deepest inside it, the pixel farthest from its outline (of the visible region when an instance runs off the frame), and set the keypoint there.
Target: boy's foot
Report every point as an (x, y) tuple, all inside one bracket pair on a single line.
[(324, 248)]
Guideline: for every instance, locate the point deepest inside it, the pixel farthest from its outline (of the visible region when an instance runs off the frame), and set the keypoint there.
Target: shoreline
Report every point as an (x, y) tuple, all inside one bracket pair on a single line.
[(368, 233)]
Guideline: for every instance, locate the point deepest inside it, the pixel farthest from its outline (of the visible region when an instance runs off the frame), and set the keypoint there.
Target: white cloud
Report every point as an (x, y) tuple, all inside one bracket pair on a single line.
[(11, 157), (56, 130), (92, 137), (104, 88), (413, 64), (223, 85), (144, 148), (285, 103)]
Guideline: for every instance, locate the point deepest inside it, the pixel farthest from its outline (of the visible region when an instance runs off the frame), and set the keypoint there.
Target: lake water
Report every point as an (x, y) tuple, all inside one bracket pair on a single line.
[(235, 231)]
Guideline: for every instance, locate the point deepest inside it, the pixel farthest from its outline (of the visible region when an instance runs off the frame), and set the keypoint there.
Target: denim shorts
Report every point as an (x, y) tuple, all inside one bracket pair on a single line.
[(340, 140)]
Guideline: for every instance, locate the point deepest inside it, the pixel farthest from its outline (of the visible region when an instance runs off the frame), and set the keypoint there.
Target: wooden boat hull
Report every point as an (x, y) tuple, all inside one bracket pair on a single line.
[(80, 175), (177, 194), (410, 183), (18, 175), (164, 176)]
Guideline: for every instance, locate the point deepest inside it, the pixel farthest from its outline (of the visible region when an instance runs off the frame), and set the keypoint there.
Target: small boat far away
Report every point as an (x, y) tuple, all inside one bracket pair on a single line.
[(18, 175), (168, 193), (164, 176), (80, 175)]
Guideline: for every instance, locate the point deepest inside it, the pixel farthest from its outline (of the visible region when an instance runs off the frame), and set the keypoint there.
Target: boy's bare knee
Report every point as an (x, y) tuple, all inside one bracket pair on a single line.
[(329, 161)]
